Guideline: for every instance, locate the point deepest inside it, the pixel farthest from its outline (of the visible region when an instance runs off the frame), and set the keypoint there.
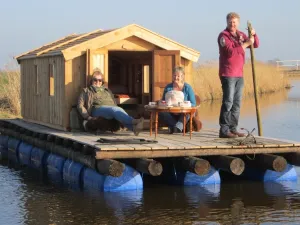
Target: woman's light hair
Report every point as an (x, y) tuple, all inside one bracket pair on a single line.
[(178, 69), (97, 72), (232, 15)]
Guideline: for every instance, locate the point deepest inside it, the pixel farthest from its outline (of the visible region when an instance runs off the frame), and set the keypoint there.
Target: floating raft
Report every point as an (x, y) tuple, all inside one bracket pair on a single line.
[(124, 144)]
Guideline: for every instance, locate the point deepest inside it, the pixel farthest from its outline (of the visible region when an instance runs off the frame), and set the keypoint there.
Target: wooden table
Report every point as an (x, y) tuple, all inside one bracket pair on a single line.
[(182, 110)]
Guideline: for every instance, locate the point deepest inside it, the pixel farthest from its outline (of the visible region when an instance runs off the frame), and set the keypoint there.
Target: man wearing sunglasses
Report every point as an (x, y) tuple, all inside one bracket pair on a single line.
[(98, 101)]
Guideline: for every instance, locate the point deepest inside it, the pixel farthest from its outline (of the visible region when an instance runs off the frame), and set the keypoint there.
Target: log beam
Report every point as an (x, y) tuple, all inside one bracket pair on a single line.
[(229, 164), (147, 166), (110, 167), (195, 165), (266, 162)]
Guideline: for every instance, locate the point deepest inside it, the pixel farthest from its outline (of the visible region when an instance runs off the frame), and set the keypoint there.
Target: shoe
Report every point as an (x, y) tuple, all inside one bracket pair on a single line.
[(228, 135), (84, 125), (238, 134), (138, 127), (170, 130), (176, 130)]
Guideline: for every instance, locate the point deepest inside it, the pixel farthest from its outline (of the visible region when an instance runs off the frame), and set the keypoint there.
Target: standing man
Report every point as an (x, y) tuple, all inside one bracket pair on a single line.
[(232, 44)]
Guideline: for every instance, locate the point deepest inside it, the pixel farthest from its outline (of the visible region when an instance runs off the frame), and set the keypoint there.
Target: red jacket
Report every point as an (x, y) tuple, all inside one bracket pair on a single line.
[(232, 55)]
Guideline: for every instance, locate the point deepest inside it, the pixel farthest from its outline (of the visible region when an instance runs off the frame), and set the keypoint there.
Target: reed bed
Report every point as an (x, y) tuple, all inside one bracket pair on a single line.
[(207, 85), (10, 101)]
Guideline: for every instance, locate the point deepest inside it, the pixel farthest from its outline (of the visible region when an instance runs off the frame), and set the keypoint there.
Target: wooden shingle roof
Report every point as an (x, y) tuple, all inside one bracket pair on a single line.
[(73, 45)]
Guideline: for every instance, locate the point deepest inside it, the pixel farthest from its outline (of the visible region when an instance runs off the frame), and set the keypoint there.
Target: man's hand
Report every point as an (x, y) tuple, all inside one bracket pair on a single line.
[(251, 39), (89, 118), (253, 32)]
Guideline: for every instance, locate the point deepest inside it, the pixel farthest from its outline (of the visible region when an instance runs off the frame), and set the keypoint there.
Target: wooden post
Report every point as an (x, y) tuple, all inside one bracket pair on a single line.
[(147, 166), (195, 165), (292, 158), (228, 163), (266, 162), (260, 132), (110, 167)]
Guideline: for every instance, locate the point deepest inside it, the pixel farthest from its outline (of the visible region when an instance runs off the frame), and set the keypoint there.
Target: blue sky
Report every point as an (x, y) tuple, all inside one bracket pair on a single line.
[(26, 25)]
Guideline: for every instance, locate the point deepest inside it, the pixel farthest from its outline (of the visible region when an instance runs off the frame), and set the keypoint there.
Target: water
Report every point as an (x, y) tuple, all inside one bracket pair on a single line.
[(26, 199)]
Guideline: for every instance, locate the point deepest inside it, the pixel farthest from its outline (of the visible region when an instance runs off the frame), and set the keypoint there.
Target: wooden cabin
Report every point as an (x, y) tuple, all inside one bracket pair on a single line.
[(136, 62)]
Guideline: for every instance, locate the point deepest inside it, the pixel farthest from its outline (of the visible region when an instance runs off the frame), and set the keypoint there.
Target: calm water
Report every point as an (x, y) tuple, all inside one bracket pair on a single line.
[(25, 199)]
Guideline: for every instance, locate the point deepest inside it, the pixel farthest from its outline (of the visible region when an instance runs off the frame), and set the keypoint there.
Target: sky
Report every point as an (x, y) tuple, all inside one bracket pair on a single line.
[(26, 25)]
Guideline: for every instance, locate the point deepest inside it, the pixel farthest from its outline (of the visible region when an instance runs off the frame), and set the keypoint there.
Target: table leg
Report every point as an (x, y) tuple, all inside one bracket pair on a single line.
[(156, 123), (151, 121), (191, 124), (184, 122)]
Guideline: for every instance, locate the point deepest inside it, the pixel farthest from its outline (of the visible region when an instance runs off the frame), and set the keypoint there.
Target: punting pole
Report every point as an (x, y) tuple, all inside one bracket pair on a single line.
[(260, 132)]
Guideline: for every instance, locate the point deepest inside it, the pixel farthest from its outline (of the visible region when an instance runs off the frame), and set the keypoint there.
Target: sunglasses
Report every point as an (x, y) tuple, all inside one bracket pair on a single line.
[(100, 80)]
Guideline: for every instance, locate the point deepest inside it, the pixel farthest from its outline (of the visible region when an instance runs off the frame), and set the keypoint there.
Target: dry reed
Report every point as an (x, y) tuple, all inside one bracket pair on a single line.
[(10, 100), (207, 85)]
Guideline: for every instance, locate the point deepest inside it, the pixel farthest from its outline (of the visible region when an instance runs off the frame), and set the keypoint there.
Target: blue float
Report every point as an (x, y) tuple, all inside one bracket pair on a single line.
[(72, 174), (24, 153), (130, 180), (55, 164), (13, 145), (289, 174), (3, 146), (176, 176), (38, 159)]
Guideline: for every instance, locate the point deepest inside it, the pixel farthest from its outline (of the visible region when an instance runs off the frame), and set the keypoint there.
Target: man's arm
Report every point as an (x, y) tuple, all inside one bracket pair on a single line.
[(80, 106), (227, 45)]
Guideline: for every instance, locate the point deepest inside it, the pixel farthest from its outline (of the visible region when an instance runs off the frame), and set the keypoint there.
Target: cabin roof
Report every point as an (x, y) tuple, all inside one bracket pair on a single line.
[(74, 45)]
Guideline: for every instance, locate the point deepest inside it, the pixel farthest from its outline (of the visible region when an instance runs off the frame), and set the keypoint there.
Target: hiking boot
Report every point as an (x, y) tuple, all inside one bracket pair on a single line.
[(138, 126), (228, 135), (238, 134)]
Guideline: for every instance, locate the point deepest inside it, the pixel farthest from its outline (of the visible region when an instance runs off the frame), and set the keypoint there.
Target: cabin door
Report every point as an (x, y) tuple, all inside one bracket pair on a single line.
[(163, 63)]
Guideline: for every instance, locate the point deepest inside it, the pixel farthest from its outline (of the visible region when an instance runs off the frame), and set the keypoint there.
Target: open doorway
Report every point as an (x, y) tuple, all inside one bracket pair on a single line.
[(130, 76)]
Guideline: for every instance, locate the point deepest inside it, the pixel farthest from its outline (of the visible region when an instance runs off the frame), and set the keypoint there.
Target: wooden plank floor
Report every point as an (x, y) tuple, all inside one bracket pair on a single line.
[(203, 143)]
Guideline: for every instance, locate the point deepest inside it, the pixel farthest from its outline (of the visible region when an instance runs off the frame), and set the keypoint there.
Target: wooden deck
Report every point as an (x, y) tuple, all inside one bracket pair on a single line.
[(203, 143)]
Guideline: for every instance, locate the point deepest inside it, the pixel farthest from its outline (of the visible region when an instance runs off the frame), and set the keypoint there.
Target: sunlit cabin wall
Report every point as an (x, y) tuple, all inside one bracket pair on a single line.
[(188, 66), (75, 81), (42, 94)]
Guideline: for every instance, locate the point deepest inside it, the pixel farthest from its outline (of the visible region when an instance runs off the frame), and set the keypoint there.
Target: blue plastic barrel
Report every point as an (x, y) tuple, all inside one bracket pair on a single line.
[(24, 153), (55, 164), (38, 159), (72, 174), (13, 145), (130, 180), (176, 176), (3, 146), (289, 174)]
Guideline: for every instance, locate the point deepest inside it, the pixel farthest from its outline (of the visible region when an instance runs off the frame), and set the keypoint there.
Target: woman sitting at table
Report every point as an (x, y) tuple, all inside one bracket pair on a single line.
[(177, 91)]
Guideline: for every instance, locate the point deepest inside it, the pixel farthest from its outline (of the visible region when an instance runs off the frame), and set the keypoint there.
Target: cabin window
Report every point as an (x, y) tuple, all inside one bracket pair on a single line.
[(98, 62), (36, 77), (146, 79), (51, 79)]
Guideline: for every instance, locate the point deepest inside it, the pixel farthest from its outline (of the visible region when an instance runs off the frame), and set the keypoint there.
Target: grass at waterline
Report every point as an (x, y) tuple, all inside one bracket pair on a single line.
[(207, 85)]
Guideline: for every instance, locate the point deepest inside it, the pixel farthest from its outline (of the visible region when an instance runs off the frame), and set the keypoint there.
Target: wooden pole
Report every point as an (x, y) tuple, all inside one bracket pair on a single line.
[(228, 163), (144, 165), (266, 162), (260, 132), (196, 165), (110, 167)]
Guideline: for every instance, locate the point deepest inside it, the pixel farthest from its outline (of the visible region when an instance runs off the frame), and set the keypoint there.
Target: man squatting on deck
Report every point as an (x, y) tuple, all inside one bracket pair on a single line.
[(232, 44), (185, 92), (98, 101)]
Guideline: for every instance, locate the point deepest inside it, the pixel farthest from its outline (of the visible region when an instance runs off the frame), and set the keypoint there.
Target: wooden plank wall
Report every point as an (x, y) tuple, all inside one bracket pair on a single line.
[(75, 78), (36, 103), (188, 66)]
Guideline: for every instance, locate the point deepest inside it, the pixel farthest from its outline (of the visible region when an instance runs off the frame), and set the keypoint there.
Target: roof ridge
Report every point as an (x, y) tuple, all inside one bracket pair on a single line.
[(68, 41), (25, 53)]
